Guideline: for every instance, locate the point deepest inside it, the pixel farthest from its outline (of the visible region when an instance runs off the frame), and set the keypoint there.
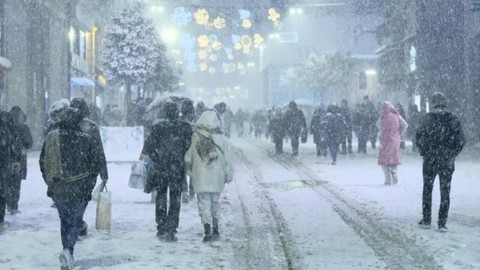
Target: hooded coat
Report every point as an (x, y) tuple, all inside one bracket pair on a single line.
[(23, 138), (209, 174), (392, 127), (68, 160), (166, 145)]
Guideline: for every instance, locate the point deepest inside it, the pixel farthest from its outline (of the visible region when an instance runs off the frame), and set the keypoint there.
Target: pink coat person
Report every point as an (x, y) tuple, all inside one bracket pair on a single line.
[(392, 128)]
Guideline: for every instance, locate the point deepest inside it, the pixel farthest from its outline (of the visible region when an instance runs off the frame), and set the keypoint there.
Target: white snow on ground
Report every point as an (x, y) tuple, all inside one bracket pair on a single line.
[(314, 232)]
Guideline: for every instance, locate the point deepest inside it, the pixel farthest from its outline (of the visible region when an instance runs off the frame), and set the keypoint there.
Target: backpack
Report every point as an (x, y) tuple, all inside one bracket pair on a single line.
[(207, 149)]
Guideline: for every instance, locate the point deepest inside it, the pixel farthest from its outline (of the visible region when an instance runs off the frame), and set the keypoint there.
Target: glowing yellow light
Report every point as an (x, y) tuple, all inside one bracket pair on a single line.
[(246, 41), (240, 66), (202, 41), (203, 66), (201, 16), (246, 24), (213, 58), (202, 54), (219, 23), (217, 46), (273, 15), (237, 46), (258, 39)]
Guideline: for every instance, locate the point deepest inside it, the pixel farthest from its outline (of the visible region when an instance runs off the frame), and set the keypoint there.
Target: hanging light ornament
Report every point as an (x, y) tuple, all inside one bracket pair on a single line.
[(202, 41), (237, 46), (219, 23), (217, 46), (258, 39), (181, 17), (213, 58), (246, 24), (246, 42), (273, 15), (201, 16), (203, 66), (202, 54)]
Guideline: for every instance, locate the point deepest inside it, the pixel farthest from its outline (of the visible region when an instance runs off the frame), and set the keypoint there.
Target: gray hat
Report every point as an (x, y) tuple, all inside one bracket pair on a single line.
[(438, 99)]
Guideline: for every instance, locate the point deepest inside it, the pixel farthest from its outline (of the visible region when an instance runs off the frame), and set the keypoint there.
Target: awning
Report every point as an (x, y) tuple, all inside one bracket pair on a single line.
[(80, 81), (4, 63)]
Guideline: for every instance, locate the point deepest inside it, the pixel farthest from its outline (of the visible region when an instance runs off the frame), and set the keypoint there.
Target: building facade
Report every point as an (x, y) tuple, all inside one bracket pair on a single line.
[(433, 46), (51, 46)]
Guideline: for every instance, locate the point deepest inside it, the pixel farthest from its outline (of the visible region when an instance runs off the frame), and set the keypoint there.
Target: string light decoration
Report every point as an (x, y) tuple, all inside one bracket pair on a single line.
[(221, 40)]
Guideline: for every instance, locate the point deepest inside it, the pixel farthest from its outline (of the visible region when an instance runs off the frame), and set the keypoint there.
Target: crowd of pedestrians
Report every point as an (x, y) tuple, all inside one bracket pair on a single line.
[(190, 154)]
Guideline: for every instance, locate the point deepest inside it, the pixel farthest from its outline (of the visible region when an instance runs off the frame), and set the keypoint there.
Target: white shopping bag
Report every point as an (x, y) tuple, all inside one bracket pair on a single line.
[(104, 210), (138, 176)]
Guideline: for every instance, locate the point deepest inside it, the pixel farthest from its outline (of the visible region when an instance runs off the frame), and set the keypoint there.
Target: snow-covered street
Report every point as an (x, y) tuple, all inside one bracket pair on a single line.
[(281, 212)]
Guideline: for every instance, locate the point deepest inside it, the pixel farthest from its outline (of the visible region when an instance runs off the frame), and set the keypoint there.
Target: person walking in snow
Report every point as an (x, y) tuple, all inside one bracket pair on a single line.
[(210, 162), (23, 141), (296, 125), (69, 162), (166, 145), (91, 128), (392, 127), (276, 128), (439, 140), (347, 117), (7, 164), (333, 126), (317, 131)]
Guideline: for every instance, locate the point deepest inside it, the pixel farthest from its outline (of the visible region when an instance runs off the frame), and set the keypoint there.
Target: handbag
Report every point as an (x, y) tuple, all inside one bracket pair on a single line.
[(103, 218), (138, 176)]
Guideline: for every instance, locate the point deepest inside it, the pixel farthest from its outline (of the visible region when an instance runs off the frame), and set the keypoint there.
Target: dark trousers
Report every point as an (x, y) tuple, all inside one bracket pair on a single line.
[(167, 221), (70, 210), (12, 192), (278, 145), (444, 170), (3, 207), (3, 200), (347, 141), (362, 141), (333, 148), (295, 142)]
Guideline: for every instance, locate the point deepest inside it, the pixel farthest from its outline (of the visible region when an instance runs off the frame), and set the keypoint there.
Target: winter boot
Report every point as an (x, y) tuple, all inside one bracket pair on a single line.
[(394, 177), (170, 237), (208, 233), (215, 232), (66, 259), (3, 226), (388, 175), (424, 224)]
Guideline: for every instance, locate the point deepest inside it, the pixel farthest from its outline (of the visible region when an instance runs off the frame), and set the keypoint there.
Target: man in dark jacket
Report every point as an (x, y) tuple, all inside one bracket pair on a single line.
[(276, 128), (89, 127), (439, 140), (333, 126), (22, 142), (166, 145), (318, 132), (69, 162), (7, 156), (347, 116), (296, 124)]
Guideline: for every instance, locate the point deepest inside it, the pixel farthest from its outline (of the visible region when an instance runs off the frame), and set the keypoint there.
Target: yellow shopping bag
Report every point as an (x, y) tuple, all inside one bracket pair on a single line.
[(103, 219)]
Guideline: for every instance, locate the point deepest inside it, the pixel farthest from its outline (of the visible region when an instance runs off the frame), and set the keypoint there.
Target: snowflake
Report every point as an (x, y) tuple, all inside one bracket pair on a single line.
[(181, 17)]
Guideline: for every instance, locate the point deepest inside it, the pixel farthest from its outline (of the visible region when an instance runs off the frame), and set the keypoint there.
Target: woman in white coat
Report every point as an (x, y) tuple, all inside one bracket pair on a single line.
[(210, 161)]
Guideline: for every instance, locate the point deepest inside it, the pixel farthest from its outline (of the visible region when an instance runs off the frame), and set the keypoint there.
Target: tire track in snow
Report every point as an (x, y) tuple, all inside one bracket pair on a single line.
[(391, 245), (262, 247)]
